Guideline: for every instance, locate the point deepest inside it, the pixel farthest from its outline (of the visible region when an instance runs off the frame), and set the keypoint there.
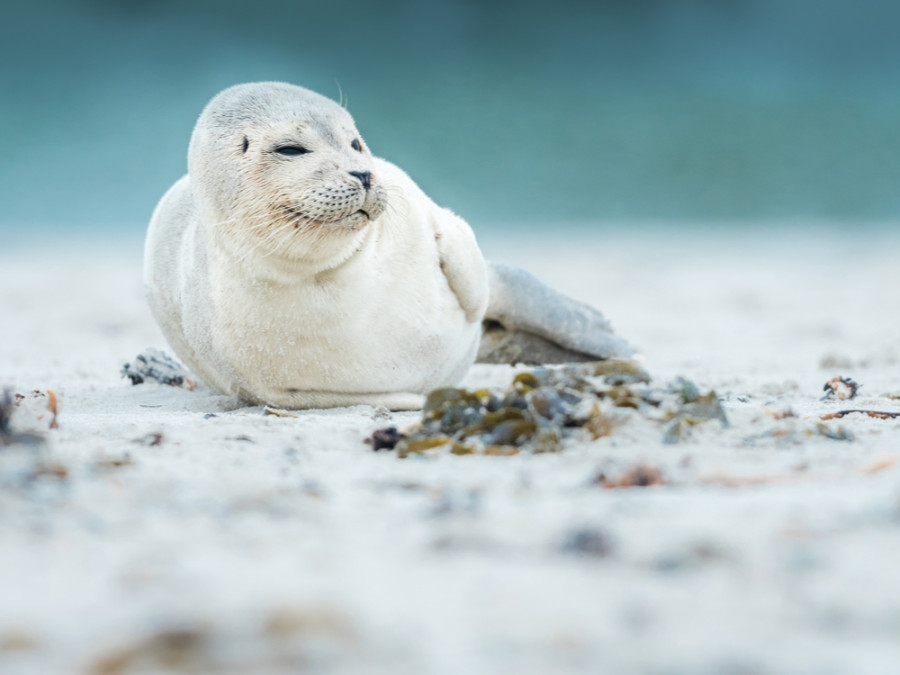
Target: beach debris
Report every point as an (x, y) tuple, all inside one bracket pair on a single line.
[(877, 414), (783, 414), (154, 364), (642, 475), (278, 412), (694, 408), (105, 463), (676, 431), (840, 389), (838, 433), (687, 390), (603, 422), (542, 407), (25, 418), (152, 440), (385, 439), (37, 411)]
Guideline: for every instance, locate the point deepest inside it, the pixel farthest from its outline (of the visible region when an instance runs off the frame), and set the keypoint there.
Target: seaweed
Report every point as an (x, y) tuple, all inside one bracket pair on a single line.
[(543, 407), (154, 364)]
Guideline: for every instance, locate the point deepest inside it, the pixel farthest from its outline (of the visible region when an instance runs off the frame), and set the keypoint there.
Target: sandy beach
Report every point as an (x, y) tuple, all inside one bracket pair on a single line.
[(164, 530)]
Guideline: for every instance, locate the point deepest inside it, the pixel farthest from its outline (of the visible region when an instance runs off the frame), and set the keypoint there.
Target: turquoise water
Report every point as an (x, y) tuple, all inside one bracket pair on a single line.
[(512, 114)]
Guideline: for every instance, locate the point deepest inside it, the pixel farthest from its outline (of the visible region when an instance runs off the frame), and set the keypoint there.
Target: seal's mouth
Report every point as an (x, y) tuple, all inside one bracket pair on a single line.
[(301, 217)]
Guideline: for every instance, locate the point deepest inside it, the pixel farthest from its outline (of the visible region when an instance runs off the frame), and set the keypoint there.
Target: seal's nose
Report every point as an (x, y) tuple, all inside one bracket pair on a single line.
[(365, 177)]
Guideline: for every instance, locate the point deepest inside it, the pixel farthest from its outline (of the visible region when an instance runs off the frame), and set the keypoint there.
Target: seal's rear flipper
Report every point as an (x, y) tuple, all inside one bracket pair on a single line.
[(499, 345), (529, 322)]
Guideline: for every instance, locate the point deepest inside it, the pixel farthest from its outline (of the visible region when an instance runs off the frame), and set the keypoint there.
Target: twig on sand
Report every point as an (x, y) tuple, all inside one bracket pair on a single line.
[(878, 414)]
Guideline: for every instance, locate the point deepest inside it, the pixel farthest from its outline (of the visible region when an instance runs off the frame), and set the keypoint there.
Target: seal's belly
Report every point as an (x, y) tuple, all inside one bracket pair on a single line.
[(412, 338)]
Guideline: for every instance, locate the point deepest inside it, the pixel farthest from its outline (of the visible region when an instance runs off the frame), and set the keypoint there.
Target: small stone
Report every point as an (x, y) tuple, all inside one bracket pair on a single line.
[(385, 439)]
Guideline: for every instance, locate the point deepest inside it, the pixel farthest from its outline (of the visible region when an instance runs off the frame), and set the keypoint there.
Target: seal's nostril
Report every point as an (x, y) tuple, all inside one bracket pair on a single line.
[(365, 178)]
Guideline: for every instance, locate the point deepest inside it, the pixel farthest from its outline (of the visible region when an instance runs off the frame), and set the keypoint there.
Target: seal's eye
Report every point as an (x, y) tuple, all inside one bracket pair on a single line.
[(355, 145), (291, 150)]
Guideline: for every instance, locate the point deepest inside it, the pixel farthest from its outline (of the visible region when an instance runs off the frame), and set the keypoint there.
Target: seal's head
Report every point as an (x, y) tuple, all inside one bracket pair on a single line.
[(282, 170)]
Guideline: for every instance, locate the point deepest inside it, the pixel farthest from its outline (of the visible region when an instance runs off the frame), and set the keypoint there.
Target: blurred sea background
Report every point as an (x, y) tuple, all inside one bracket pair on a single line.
[(514, 114)]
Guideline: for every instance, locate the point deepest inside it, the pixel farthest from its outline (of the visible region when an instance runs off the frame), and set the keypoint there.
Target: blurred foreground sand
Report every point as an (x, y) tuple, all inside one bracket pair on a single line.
[(180, 533)]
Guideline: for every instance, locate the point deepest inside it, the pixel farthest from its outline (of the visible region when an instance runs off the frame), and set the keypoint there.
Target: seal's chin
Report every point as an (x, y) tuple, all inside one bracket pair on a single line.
[(355, 221)]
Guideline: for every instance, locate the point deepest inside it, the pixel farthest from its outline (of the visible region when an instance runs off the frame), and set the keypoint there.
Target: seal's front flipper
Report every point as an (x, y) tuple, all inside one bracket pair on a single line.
[(529, 322), (461, 262)]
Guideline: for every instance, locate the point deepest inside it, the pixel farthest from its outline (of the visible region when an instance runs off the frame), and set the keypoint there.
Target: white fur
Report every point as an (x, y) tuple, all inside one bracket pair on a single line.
[(268, 282)]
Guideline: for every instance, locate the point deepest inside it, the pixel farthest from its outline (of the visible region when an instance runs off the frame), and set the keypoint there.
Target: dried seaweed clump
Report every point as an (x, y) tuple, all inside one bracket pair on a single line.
[(535, 413), (541, 408), (154, 364)]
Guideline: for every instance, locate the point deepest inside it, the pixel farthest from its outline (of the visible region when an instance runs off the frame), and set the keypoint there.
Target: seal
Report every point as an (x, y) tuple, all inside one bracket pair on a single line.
[(293, 268)]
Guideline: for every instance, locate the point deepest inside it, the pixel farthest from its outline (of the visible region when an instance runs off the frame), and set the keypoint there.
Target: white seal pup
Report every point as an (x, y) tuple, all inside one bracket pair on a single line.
[(293, 268)]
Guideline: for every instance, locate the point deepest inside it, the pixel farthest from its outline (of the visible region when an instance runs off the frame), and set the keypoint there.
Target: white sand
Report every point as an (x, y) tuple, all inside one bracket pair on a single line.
[(280, 543)]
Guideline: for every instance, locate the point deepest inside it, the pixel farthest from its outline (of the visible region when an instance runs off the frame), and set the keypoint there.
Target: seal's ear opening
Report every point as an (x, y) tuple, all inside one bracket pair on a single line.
[(245, 145)]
